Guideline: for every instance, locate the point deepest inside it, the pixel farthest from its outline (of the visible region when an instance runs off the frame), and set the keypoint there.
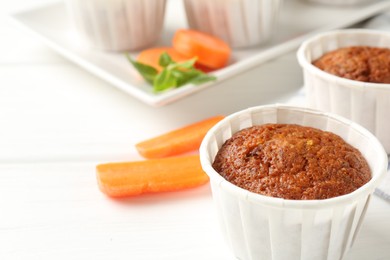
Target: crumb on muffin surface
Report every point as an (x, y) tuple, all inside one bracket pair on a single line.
[(361, 63), (291, 162)]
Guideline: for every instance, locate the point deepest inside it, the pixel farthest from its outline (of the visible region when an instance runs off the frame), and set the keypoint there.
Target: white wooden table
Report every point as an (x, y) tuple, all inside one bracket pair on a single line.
[(58, 121)]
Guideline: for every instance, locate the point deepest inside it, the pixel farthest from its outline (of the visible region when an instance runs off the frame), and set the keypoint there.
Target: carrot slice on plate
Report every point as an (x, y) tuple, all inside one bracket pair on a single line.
[(178, 141), (125, 179), (151, 56), (211, 51)]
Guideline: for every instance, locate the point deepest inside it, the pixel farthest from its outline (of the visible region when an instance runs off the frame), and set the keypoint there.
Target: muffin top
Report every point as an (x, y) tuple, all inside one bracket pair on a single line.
[(291, 162), (361, 63)]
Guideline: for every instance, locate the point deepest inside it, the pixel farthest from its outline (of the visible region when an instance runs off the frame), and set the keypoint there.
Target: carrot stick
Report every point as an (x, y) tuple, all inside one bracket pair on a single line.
[(179, 141), (151, 56), (211, 51), (150, 176)]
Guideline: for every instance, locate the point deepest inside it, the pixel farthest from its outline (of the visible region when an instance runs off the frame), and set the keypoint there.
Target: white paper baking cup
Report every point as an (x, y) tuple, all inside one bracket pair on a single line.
[(261, 227), (340, 2), (365, 103), (117, 25), (240, 23)]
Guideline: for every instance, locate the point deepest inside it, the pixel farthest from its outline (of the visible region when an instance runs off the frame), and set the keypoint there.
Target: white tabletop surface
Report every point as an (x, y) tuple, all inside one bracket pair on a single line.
[(57, 122)]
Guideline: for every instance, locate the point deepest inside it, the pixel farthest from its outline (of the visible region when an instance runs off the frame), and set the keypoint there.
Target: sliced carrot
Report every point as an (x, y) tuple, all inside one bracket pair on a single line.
[(211, 51), (203, 68), (157, 175), (179, 141), (151, 56)]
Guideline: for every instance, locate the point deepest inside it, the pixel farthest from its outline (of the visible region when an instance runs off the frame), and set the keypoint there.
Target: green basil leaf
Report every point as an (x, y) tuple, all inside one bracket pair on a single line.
[(165, 60), (189, 64), (164, 81), (184, 76), (147, 72), (173, 75), (202, 78)]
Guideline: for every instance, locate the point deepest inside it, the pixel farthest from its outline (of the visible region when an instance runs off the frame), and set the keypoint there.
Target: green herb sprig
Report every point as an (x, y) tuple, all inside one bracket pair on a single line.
[(173, 75)]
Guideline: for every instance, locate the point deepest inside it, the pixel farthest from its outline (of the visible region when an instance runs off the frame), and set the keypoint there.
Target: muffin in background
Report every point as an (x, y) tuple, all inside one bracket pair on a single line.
[(240, 23), (362, 63), (117, 25), (366, 103), (340, 2), (262, 227)]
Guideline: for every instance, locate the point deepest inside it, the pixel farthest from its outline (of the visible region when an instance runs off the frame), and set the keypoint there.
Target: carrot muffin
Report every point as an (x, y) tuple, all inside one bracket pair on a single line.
[(362, 63), (291, 162)]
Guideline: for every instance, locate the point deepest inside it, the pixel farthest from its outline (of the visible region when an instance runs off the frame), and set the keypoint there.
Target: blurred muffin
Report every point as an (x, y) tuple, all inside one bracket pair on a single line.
[(362, 63), (117, 25), (240, 23), (263, 227), (340, 2), (366, 103), (292, 162)]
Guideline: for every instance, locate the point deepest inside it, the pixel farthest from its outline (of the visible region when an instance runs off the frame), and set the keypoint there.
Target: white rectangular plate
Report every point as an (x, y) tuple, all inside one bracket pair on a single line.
[(298, 21)]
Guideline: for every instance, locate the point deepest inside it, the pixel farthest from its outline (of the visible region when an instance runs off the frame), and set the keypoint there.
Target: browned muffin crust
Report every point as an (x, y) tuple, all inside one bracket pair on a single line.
[(291, 162), (361, 63)]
